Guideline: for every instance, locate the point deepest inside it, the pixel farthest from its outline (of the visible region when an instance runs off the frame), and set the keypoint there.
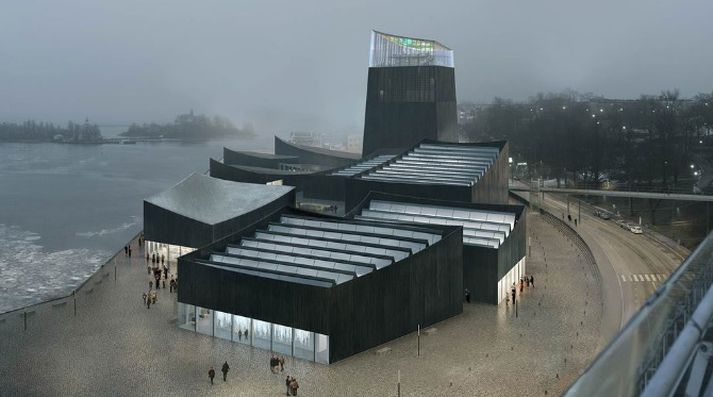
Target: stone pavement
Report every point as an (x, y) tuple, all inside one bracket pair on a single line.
[(116, 347)]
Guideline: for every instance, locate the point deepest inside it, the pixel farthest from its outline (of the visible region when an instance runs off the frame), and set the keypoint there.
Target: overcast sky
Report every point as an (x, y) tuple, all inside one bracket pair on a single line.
[(302, 65)]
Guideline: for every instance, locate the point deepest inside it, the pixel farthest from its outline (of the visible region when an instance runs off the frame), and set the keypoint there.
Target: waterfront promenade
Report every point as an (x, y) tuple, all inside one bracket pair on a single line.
[(116, 346)]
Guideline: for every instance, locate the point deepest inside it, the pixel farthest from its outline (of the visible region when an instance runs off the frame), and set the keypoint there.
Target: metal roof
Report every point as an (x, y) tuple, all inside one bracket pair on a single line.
[(438, 163), (212, 200), (364, 165), (322, 252), (480, 227)]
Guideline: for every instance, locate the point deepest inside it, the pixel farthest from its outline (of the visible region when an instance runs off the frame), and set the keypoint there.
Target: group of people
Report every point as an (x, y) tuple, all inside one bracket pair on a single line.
[(149, 298), (291, 386), (525, 281), (277, 364), (127, 250), (224, 370)]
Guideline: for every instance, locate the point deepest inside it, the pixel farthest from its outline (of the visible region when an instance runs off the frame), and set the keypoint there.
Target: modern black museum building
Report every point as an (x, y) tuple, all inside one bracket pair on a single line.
[(415, 220)]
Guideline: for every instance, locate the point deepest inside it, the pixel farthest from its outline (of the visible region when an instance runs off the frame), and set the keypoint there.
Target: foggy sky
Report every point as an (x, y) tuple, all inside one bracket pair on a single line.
[(302, 65)]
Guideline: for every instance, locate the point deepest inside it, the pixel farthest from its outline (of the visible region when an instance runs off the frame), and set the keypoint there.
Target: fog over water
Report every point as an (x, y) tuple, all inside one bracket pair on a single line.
[(66, 209), (291, 65)]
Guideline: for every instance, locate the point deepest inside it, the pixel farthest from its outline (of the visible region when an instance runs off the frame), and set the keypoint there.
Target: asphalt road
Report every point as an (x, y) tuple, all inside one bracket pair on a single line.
[(632, 265)]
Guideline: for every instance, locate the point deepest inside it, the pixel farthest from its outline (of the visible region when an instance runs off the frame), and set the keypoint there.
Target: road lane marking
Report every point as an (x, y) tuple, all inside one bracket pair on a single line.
[(623, 278)]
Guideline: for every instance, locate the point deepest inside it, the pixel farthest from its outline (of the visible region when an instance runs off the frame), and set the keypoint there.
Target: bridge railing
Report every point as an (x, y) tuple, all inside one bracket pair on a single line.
[(627, 364)]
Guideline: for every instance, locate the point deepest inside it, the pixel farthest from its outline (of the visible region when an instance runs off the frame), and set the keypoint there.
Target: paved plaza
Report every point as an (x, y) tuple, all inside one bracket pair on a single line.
[(115, 346)]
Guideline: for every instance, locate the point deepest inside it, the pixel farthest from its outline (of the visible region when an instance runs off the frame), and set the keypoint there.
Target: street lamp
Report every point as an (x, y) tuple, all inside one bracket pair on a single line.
[(693, 166)]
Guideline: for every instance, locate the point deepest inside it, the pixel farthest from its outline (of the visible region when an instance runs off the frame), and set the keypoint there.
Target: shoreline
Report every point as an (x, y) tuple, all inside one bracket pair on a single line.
[(76, 290)]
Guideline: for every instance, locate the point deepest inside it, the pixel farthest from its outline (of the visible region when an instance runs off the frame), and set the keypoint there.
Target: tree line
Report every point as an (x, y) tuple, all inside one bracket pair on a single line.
[(190, 126), (657, 142), (32, 131)]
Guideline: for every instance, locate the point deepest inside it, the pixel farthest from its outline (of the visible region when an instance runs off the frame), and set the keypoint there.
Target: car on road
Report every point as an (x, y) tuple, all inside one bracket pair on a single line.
[(636, 229), (604, 215)]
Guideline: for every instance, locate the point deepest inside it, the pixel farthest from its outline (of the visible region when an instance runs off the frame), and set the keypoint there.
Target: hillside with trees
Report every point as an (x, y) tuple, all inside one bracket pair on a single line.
[(32, 131), (190, 127)]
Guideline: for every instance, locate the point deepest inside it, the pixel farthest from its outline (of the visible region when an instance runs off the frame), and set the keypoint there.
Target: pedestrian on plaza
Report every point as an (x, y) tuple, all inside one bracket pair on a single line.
[(282, 364), (569, 217), (153, 258), (246, 331), (575, 221), (527, 281), (126, 252), (513, 293), (148, 268), (170, 285), (294, 386), (532, 281), (165, 271), (225, 370), (211, 374), (129, 251), (467, 295), (147, 257), (158, 278), (150, 285), (144, 296), (148, 302), (521, 285)]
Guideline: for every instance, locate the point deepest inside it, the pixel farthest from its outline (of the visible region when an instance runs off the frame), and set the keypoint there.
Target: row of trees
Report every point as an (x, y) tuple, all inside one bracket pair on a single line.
[(31, 131), (581, 139), (190, 126)]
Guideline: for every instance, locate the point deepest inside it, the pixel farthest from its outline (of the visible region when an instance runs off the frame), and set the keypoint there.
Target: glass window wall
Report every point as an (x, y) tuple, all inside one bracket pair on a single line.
[(281, 339), (223, 325), (186, 317), (303, 344), (204, 322), (241, 329), (261, 334), (321, 351)]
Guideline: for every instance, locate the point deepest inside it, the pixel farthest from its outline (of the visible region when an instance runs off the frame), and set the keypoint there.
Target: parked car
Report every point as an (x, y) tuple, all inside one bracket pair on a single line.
[(604, 215), (636, 229)]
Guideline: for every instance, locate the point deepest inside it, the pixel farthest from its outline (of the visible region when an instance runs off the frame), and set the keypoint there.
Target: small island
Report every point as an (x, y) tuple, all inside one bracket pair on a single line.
[(189, 127), (32, 131), (186, 127)]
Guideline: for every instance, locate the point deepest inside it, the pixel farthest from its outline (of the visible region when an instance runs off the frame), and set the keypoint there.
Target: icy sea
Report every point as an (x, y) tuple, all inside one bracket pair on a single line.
[(66, 209)]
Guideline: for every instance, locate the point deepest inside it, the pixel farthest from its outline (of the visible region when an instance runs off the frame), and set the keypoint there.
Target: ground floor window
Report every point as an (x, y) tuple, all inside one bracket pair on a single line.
[(510, 278), (284, 340)]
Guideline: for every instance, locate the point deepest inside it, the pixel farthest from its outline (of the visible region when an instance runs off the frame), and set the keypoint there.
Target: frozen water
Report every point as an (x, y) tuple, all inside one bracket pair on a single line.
[(31, 274)]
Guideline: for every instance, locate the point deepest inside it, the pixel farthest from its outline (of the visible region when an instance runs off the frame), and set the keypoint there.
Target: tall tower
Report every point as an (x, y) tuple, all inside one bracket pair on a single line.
[(411, 93)]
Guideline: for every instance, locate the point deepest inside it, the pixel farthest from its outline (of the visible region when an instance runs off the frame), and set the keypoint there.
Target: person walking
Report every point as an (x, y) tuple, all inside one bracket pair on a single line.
[(225, 370), (467, 295), (282, 363), (513, 293), (211, 374), (532, 281), (129, 251), (294, 386), (288, 380)]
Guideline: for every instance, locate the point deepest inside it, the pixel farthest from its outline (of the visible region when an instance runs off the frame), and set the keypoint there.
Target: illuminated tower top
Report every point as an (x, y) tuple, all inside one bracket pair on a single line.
[(388, 50)]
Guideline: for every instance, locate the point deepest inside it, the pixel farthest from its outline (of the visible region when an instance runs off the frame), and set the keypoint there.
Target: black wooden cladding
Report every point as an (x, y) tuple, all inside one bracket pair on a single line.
[(407, 104), (168, 227), (357, 315), (319, 185), (256, 159), (482, 266), (318, 156)]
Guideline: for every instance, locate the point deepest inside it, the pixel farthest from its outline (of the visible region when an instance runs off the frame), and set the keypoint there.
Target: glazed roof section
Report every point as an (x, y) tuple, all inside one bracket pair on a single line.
[(364, 165), (322, 252), (480, 227), (212, 200), (439, 164), (388, 50)]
